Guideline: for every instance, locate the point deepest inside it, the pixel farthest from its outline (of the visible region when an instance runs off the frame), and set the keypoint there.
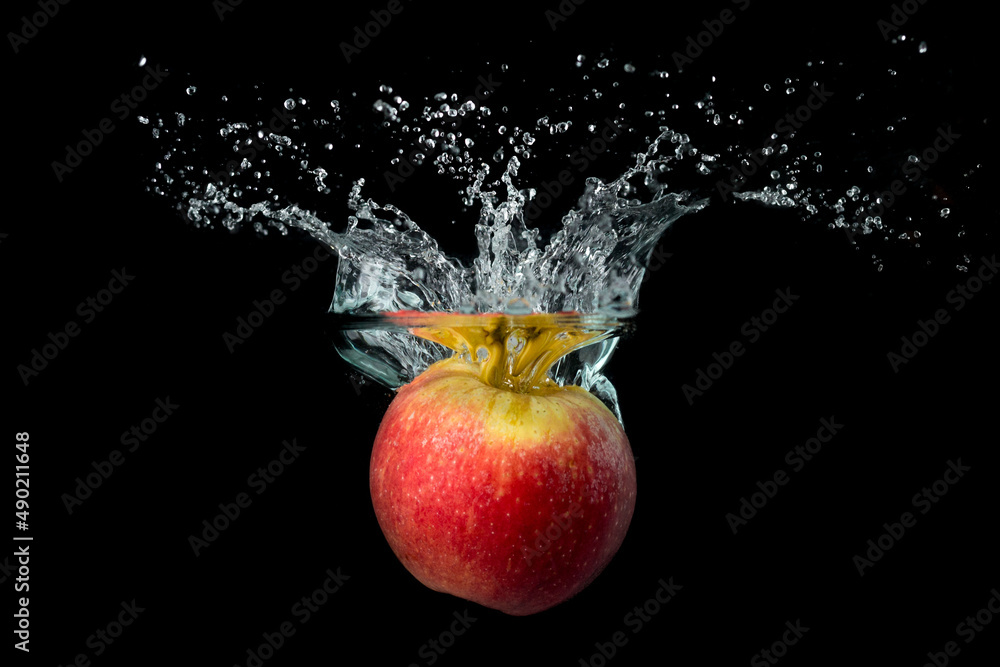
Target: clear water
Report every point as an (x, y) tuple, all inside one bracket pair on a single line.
[(594, 264), (278, 171)]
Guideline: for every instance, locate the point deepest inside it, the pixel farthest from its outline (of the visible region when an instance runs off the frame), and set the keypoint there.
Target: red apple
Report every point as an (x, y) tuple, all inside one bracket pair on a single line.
[(514, 499)]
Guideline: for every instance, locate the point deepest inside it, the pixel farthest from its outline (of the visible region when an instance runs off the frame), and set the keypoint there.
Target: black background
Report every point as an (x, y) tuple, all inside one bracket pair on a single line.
[(826, 359)]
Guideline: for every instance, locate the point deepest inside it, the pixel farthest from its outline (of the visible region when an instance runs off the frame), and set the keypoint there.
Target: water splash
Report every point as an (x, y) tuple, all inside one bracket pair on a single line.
[(595, 259)]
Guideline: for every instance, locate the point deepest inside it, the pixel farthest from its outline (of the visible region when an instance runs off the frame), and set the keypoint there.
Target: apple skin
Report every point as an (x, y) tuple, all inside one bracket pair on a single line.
[(511, 500)]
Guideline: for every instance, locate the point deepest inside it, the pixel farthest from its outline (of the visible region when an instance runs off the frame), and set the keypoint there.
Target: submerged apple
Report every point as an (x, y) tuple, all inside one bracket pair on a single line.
[(493, 483)]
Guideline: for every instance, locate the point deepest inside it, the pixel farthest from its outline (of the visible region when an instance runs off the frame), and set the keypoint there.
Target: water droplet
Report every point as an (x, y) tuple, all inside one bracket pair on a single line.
[(601, 64), (143, 120), (191, 90), (289, 104), (775, 174), (945, 212), (922, 48), (629, 68), (142, 61)]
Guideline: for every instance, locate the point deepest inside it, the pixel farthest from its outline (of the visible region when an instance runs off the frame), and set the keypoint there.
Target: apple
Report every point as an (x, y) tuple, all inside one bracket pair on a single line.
[(512, 496)]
